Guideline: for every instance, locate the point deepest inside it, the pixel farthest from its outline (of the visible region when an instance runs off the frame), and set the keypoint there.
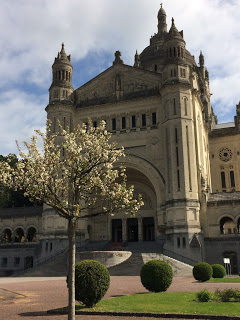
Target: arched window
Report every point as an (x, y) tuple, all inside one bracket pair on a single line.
[(31, 234), (227, 226), (7, 236), (19, 235)]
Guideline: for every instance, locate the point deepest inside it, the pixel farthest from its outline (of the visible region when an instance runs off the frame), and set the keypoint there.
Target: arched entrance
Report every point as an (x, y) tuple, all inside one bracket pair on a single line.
[(141, 227)]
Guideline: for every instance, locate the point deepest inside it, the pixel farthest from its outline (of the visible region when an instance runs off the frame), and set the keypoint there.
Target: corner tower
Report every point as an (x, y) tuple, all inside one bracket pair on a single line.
[(61, 87)]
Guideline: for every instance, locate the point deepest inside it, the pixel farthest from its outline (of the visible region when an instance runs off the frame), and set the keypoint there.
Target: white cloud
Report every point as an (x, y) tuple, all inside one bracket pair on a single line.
[(31, 33), (20, 114)]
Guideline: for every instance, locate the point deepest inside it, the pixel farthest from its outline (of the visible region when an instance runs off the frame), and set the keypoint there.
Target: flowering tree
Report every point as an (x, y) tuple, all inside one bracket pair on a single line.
[(72, 175)]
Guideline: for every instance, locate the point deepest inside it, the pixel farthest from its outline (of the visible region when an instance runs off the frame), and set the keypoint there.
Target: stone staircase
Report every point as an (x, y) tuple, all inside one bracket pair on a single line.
[(130, 267), (133, 265), (57, 267)]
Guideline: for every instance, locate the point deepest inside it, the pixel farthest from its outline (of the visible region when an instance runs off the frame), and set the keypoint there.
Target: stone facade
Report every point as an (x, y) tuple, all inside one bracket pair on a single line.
[(184, 164)]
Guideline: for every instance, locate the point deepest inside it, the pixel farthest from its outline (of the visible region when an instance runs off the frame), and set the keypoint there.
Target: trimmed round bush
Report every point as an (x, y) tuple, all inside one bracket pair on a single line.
[(218, 271), (92, 281), (204, 295), (156, 275), (202, 271)]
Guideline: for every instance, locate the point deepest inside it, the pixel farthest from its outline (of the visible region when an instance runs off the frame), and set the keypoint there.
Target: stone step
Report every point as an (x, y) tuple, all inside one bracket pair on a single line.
[(57, 267), (130, 267)]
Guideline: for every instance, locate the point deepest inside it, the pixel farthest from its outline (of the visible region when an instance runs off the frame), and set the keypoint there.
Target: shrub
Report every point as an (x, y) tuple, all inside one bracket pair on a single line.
[(228, 295), (156, 275), (92, 281), (204, 296), (218, 271), (202, 271)]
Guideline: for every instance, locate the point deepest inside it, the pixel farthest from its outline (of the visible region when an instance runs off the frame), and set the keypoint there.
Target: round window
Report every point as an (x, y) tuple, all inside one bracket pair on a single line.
[(225, 154)]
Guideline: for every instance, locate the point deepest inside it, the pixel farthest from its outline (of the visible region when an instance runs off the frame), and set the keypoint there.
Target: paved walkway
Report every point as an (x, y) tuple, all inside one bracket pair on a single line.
[(29, 298)]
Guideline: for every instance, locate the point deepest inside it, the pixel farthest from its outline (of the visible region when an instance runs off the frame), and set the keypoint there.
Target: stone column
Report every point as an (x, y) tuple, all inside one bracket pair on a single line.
[(124, 229), (138, 122), (140, 235), (108, 124), (118, 124), (109, 228)]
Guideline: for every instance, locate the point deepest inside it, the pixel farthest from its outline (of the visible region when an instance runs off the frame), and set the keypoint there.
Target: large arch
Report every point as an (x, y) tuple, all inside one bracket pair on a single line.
[(148, 182), (148, 170)]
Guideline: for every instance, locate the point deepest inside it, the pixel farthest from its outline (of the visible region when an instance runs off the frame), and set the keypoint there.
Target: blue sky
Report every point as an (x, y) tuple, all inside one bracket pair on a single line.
[(31, 33)]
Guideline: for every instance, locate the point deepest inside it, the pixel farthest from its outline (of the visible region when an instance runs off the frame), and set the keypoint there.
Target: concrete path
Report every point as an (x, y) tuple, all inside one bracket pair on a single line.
[(29, 298)]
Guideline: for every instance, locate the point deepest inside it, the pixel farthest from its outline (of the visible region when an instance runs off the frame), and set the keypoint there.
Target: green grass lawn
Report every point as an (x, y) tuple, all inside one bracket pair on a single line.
[(230, 280), (166, 302)]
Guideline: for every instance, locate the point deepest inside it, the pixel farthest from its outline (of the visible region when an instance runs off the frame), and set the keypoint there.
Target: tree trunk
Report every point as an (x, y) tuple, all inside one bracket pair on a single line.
[(71, 270)]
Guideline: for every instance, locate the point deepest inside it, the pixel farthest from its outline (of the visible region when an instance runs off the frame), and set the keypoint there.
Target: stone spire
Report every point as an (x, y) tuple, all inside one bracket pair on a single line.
[(173, 32), (137, 62), (201, 63), (162, 25)]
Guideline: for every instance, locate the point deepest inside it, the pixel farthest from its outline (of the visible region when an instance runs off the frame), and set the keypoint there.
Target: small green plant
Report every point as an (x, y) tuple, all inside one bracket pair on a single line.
[(92, 281), (156, 275), (218, 271), (204, 295), (202, 271), (228, 295)]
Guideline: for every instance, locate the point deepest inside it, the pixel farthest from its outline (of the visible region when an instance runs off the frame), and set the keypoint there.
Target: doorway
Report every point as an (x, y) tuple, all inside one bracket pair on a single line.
[(232, 255), (132, 229), (28, 262), (116, 230), (148, 229)]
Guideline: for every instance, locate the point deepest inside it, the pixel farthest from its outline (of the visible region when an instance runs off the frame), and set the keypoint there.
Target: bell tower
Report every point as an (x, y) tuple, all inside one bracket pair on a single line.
[(182, 193), (61, 87)]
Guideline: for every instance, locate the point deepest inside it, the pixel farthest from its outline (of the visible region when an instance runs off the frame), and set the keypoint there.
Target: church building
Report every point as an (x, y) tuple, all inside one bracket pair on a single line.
[(185, 164)]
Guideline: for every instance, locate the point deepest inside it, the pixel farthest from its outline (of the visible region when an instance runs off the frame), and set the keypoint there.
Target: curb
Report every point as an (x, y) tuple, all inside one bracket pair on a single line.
[(149, 315)]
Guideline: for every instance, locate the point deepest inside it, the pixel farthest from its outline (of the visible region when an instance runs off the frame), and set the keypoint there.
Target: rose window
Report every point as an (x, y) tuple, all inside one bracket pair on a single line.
[(225, 154)]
